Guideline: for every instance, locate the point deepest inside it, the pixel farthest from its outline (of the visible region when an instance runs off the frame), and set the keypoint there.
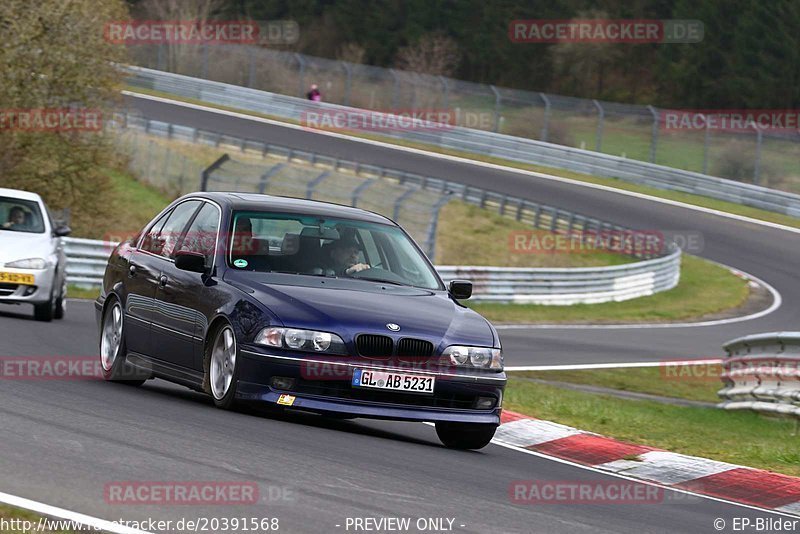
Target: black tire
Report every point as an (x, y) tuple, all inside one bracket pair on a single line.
[(61, 302), (224, 396), (45, 311), (113, 350), (465, 436)]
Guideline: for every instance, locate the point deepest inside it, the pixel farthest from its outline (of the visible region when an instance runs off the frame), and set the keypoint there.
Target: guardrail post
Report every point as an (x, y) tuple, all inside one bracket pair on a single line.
[(395, 88), (160, 58), (206, 174), (251, 67), (204, 67), (360, 189), (497, 100), (546, 123), (399, 202), (598, 142), (654, 136), (348, 81)]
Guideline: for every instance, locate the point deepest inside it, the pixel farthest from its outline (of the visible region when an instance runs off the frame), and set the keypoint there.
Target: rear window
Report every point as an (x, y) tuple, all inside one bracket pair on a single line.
[(18, 215)]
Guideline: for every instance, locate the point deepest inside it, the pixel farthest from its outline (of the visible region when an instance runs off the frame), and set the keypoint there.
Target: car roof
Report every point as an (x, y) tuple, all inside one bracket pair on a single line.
[(257, 202), (18, 193)]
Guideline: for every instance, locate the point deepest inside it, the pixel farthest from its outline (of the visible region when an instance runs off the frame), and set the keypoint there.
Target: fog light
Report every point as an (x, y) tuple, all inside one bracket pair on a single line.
[(485, 403), (30, 290), (282, 382)]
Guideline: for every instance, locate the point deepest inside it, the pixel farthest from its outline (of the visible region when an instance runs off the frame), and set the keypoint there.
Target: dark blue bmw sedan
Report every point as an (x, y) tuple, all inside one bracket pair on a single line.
[(303, 305)]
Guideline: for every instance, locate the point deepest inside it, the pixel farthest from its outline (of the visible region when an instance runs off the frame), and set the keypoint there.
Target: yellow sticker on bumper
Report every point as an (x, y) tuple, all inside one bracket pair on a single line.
[(286, 400)]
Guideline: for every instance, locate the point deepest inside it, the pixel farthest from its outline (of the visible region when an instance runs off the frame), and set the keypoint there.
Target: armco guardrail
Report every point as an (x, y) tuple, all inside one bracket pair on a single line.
[(762, 373), (480, 142), (86, 262)]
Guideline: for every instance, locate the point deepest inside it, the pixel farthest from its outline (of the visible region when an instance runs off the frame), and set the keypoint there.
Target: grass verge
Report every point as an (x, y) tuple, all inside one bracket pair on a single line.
[(738, 437), (688, 198), (691, 382), (21, 520), (705, 288)]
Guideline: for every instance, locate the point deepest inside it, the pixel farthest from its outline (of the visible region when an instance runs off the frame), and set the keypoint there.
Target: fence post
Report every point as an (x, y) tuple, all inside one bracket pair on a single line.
[(598, 142), (302, 68), (654, 138), (757, 166), (314, 183), (399, 202), (430, 243), (546, 116), (160, 58), (360, 189), (445, 92), (348, 82), (706, 136), (204, 71), (206, 174), (497, 100), (262, 184), (395, 87), (251, 68)]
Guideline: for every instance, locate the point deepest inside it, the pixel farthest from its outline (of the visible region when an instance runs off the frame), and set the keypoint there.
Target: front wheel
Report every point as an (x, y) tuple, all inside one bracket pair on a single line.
[(465, 436), (46, 310), (221, 368), (61, 302)]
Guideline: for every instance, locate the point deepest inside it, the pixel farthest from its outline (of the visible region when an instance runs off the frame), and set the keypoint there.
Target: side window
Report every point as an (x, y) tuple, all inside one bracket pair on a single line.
[(202, 234), (162, 240)]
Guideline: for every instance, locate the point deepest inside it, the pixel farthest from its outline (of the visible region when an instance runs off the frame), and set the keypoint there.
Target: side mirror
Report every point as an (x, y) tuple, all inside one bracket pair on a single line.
[(461, 289), (194, 262), (62, 231)]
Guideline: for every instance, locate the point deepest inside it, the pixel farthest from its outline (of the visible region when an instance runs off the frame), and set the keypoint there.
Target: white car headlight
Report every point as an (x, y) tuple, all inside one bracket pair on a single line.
[(30, 263), (298, 339), (480, 357)]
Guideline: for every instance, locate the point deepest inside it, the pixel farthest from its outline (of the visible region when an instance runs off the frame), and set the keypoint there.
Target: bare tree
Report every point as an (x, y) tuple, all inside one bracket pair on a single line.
[(432, 54)]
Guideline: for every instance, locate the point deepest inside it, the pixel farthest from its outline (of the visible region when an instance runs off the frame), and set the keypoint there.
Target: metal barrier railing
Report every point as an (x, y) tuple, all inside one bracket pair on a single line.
[(762, 373), (483, 143), (86, 263)]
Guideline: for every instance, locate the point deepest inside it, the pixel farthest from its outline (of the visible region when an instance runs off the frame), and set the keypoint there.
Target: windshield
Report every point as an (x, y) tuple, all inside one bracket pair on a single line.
[(18, 215), (315, 246)]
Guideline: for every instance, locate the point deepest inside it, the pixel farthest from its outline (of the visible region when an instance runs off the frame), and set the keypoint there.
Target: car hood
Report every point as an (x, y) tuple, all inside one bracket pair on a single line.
[(19, 246), (351, 307)]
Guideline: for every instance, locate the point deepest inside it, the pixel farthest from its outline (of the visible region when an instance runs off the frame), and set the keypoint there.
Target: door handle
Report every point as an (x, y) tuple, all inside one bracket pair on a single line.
[(162, 280)]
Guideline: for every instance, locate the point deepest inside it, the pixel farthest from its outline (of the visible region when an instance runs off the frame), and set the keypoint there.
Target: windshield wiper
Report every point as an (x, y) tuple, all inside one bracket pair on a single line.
[(380, 281)]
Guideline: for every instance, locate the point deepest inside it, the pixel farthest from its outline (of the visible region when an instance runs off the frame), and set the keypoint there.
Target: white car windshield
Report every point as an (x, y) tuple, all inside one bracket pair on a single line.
[(17, 215), (311, 245)]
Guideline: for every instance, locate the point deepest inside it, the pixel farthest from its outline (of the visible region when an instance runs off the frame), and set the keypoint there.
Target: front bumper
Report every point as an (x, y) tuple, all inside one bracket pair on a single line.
[(39, 293), (331, 393)]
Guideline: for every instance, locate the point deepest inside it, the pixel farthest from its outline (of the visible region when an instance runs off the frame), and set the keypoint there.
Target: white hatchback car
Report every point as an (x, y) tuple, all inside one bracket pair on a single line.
[(32, 259)]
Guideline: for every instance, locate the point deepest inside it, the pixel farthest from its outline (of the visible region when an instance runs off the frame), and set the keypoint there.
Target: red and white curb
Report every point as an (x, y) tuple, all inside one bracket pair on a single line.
[(753, 487)]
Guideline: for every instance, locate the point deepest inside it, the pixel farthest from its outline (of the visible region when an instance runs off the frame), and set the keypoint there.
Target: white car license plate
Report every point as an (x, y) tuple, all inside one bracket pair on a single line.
[(364, 378)]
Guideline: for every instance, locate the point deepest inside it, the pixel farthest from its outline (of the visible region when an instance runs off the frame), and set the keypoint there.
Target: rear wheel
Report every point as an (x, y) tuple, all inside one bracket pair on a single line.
[(221, 370), (113, 348), (465, 435)]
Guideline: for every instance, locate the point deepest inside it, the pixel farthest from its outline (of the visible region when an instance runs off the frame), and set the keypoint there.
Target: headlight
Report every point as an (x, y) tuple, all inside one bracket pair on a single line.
[(480, 357), (30, 263), (297, 339)]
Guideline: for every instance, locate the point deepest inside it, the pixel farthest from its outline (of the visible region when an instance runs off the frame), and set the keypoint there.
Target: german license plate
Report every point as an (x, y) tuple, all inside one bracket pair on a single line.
[(363, 378), (17, 278)]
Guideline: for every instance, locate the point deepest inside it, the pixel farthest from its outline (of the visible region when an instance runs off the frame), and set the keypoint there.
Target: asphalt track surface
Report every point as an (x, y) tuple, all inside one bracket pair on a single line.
[(63, 441)]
